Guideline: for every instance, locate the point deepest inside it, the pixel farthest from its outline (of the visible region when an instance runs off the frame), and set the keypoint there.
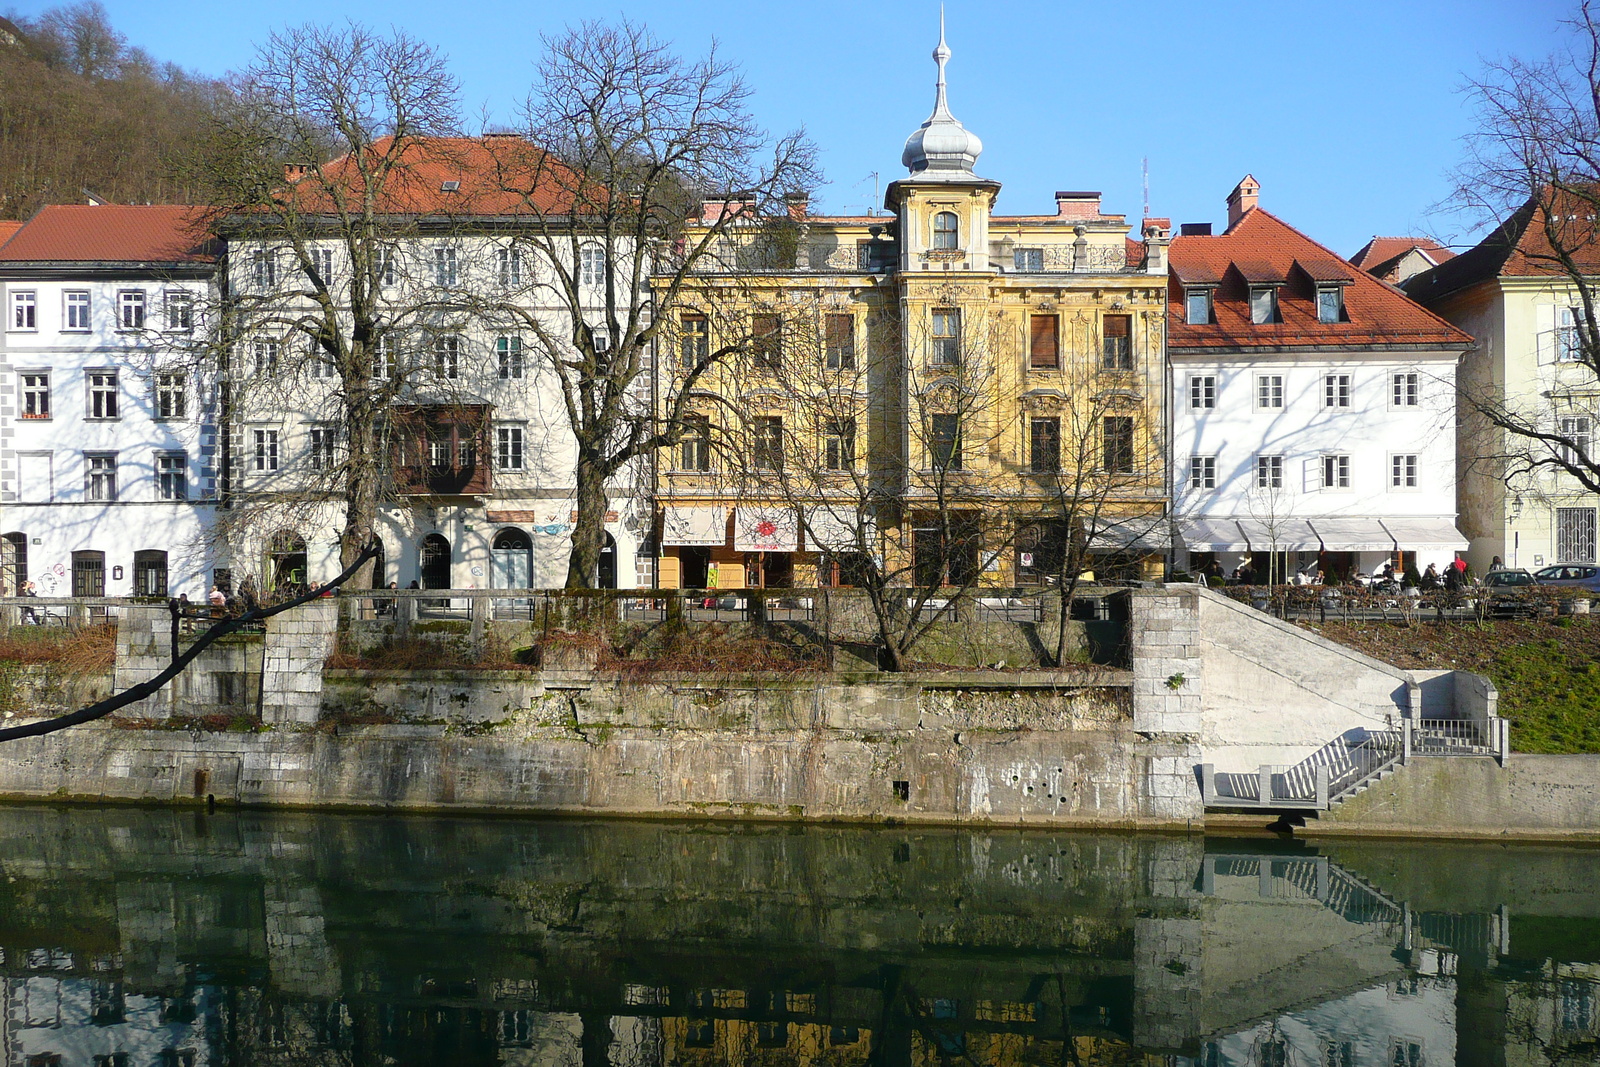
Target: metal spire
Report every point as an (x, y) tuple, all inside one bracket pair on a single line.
[(941, 56)]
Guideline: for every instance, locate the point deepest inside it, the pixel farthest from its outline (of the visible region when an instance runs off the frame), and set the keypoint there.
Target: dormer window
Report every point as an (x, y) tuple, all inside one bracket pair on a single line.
[(1197, 307), (946, 230), (1330, 304), (1263, 304)]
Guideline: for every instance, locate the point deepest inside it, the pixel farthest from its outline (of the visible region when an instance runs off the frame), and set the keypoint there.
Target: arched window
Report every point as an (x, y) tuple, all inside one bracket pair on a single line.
[(88, 574), (13, 563), (511, 560), (150, 573), (946, 230), (592, 265)]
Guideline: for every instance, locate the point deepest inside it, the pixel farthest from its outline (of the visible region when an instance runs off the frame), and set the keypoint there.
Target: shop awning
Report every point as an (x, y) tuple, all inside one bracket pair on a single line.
[(1425, 535), (1144, 533), (833, 528), (1353, 535), (1211, 535), (1279, 535), (695, 526), (758, 529)]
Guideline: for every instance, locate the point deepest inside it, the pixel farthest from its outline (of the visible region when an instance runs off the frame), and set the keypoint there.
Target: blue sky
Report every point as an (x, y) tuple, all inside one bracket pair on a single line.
[(1349, 114)]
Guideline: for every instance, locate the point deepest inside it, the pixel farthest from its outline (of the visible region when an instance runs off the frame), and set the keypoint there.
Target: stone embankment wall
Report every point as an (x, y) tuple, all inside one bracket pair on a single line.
[(1036, 748)]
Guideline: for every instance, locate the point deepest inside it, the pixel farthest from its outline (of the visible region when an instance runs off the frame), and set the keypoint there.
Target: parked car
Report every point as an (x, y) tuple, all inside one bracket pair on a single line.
[(1571, 575), (1516, 582)]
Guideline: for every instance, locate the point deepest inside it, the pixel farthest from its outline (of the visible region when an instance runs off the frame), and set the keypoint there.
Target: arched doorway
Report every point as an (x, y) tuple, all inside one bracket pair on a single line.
[(434, 564), (511, 560), (286, 564), (378, 568), (13, 563), (606, 573), (150, 573)]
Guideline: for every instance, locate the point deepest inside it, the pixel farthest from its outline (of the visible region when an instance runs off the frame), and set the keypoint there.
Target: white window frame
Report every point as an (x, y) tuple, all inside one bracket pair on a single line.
[(1336, 294), (384, 356), (510, 448), (508, 265), (1027, 260), (1335, 470), (1405, 471), (591, 265), (322, 262), (264, 270), (264, 358), (1569, 335), (446, 266), (1405, 389), (1336, 390), (1269, 392), (945, 349), (509, 362), (102, 394), (35, 393), (1202, 391), (77, 311), (1202, 472), (24, 311), (940, 232), (132, 304), (100, 477), (265, 453), (447, 356), (1197, 299), (1579, 430), (177, 307), (322, 447), (1264, 298), (172, 475), (1269, 472), (171, 396)]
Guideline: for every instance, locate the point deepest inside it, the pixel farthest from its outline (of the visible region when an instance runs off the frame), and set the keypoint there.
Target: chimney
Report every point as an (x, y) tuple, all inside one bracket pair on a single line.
[(798, 204), (293, 172), (1077, 205), (1245, 197), (1157, 236)]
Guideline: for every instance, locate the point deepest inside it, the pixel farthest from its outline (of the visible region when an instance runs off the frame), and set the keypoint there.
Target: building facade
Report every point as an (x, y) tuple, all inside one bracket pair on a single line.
[(956, 393), (109, 450), (1510, 294), (471, 443), (1313, 407)]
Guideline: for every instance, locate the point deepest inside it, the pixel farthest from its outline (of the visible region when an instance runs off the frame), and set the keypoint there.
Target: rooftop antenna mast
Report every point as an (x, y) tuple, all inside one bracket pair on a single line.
[(1145, 163)]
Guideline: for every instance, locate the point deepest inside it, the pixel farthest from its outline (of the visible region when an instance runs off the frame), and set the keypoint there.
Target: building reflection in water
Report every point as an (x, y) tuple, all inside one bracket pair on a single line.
[(137, 938)]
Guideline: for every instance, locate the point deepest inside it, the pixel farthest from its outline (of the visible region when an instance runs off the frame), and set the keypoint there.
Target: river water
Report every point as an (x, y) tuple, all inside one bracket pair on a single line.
[(149, 938)]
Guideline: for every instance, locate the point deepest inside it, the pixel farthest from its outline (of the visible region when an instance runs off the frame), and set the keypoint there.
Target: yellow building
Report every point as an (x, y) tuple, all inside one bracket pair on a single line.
[(956, 394)]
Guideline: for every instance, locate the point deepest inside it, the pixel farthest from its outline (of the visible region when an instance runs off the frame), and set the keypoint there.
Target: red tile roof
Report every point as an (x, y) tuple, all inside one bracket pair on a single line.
[(500, 174), (8, 228), (1521, 247), (111, 233), (1380, 250), (1268, 247)]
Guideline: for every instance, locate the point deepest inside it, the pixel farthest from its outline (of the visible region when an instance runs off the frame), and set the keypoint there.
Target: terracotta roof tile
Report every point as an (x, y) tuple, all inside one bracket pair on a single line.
[(455, 176), (1381, 250), (1378, 313), (1520, 247), (7, 229), (111, 233)]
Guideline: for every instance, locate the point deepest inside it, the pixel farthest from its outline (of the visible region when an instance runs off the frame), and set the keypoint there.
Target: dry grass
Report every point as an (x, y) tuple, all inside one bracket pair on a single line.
[(90, 650)]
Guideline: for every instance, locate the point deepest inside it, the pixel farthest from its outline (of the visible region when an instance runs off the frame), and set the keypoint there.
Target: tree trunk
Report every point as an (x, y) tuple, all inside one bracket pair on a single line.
[(589, 530), (361, 496)]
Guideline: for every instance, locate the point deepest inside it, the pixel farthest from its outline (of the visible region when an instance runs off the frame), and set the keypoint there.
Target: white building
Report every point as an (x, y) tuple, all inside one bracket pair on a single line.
[(1313, 406), (478, 455), (107, 409)]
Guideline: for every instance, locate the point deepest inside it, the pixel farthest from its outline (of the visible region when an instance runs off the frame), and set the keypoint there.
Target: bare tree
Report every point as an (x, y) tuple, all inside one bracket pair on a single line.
[(1534, 166), (1088, 466), (322, 164), (625, 144), (886, 445)]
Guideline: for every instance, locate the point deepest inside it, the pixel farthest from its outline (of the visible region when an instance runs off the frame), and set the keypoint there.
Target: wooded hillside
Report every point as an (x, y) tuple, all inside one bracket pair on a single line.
[(82, 111)]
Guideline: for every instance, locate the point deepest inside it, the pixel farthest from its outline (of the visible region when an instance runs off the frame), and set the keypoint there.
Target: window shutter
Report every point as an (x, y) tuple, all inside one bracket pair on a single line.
[(1544, 319), (1042, 350), (1313, 474)]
